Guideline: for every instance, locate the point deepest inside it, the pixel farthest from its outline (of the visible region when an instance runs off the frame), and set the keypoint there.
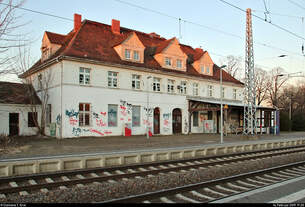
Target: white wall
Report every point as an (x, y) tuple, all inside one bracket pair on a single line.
[(23, 110), (99, 95)]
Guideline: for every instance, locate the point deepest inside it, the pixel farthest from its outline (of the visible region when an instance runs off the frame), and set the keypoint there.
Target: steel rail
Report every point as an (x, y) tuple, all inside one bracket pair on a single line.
[(70, 182), (211, 183)]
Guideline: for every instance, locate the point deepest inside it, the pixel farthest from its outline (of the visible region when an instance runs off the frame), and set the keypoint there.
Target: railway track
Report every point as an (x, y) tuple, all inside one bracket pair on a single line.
[(24, 185), (214, 190)]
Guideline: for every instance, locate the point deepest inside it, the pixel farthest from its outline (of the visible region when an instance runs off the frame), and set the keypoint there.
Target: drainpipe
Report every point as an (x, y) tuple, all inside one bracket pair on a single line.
[(61, 81)]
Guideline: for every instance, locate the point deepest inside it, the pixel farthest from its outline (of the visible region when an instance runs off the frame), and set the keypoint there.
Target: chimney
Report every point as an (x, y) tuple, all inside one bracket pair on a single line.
[(77, 22), (115, 27)]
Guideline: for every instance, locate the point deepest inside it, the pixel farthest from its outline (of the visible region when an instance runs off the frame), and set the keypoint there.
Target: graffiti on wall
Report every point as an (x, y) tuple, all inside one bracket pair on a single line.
[(166, 122), (186, 125), (148, 111)]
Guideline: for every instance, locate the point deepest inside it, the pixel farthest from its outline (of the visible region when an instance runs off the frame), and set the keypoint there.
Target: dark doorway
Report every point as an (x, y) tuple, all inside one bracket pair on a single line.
[(14, 124), (177, 121), (157, 121)]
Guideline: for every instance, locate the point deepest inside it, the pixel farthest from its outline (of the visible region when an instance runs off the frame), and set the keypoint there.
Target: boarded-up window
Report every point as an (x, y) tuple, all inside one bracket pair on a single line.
[(112, 115), (32, 119), (84, 114), (195, 119), (136, 116)]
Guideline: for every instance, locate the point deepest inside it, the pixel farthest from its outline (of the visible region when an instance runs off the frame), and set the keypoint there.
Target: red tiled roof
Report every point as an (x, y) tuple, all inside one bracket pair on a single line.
[(56, 38), (18, 93), (96, 41)]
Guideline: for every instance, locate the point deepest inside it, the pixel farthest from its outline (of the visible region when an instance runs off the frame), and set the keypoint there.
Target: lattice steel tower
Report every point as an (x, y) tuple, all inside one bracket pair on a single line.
[(249, 90)]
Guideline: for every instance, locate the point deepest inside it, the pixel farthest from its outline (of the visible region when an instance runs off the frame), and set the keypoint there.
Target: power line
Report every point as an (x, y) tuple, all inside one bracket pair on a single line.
[(160, 13), (277, 14), (204, 26), (296, 4), (38, 12), (260, 18)]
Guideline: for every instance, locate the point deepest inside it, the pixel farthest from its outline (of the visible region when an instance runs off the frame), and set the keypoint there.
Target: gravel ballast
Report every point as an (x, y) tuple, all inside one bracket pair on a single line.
[(107, 191)]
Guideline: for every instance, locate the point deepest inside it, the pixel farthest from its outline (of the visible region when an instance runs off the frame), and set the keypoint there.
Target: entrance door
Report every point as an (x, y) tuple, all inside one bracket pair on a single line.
[(177, 121), (13, 124), (157, 121)]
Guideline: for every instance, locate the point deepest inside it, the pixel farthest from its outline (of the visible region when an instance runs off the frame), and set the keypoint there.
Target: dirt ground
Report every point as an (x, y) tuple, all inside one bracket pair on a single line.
[(24, 147)]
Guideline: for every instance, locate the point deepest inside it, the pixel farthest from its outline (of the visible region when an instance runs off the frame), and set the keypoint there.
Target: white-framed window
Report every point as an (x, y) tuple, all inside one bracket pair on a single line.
[(210, 91), (195, 119), (223, 92), (202, 68), (156, 84), (136, 55), (112, 115), (84, 114), (208, 69), (182, 88), (112, 79), (195, 89), (136, 82), (127, 54), (179, 63), (136, 116), (170, 86), (84, 76), (234, 93), (168, 61)]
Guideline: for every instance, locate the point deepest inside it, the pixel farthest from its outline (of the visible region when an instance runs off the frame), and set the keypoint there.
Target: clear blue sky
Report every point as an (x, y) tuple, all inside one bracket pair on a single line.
[(210, 13)]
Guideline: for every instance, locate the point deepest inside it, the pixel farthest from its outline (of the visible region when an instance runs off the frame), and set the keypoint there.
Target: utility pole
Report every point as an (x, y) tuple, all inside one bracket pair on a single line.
[(249, 90)]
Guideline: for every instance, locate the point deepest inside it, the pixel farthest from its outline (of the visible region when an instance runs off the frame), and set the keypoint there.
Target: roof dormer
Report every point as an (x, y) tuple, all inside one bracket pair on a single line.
[(131, 49), (169, 55), (203, 63)]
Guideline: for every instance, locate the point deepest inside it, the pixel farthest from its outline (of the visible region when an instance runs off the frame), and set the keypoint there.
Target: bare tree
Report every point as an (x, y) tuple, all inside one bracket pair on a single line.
[(278, 79), (233, 64), (262, 84), (9, 37), (38, 84)]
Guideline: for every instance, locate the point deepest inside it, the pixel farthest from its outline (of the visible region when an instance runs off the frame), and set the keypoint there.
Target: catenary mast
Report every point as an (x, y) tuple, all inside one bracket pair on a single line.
[(249, 90)]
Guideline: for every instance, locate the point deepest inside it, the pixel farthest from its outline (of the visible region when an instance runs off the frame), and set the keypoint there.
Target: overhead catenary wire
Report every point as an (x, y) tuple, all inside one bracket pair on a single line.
[(296, 4), (160, 13), (260, 18), (163, 14), (205, 26)]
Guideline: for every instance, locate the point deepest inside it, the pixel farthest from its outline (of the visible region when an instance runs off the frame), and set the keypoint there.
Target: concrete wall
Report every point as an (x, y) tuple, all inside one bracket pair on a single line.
[(22, 110), (13, 167)]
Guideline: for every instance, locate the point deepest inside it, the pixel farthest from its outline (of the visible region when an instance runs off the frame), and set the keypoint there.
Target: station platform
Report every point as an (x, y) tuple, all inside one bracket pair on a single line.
[(44, 155), (31, 147)]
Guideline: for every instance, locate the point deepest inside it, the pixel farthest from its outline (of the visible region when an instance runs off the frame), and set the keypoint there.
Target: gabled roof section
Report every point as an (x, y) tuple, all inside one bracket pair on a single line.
[(163, 45), (54, 38), (133, 39), (95, 41), (18, 93)]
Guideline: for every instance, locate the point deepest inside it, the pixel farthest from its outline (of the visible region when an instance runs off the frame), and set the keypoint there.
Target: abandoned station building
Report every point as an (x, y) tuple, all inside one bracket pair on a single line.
[(105, 80)]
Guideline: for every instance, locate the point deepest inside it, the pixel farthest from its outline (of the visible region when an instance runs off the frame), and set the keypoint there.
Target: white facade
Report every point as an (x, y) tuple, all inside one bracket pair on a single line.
[(66, 93), (22, 111)]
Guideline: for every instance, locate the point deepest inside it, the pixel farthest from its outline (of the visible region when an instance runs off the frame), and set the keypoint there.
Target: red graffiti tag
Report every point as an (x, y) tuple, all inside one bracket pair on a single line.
[(73, 121), (103, 113), (107, 132), (97, 132), (129, 119), (100, 123), (121, 119), (166, 122)]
